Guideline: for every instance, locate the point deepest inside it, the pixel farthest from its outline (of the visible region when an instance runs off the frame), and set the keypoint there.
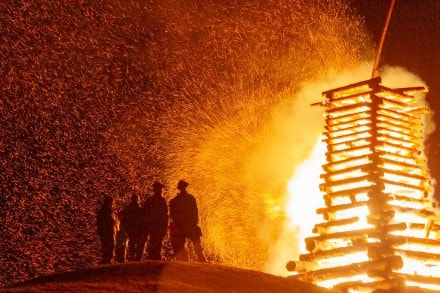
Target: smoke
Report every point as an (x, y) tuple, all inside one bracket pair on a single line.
[(399, 77), (103, 98), (241, 133), (306, 190)]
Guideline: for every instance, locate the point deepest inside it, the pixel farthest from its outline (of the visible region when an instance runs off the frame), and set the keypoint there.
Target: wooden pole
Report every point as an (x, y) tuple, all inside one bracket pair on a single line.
[(375, 72)]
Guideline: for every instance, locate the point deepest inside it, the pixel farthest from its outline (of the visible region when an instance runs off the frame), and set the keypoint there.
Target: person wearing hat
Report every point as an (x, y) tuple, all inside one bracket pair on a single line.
[(156, 213), (106, 222), (185, 216)]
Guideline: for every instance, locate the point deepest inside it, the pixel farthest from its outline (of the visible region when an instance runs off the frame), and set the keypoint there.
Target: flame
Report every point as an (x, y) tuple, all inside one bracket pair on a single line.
[(378, 217), (305, 181)]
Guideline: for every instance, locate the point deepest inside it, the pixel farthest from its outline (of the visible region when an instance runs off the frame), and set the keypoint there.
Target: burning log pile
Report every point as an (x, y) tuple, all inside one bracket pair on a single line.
[(380, 230)]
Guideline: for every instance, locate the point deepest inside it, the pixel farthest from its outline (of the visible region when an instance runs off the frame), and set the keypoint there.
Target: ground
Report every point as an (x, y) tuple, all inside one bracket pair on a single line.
[(163, 277)]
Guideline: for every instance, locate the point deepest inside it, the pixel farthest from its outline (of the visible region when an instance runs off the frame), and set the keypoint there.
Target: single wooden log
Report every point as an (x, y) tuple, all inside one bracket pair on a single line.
[(385, 126), (341, 207), (362, 92), (392, 263), (405, 92), (408, 199), (328, 186), (348, 192), (420, 241), (301, 266), (314, 246), (417, 212), (382, 118), (352, 128), (318, 242), (431, 228), (363, 168), (407, 140), (348, 109), (337, 155), (410, 91), (399, 115), (322, 228), (419, 111), (334, 166), (402, 184), (412, 151), (340, 251), (365, 231), (390, 99), (421, 256), (364, 85), (366, 114), (396, 284), (427, 280), (421, 178), (346, 124)]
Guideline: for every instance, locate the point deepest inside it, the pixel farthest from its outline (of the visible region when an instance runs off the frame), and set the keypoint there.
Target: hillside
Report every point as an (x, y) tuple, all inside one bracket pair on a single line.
[(163, 277)]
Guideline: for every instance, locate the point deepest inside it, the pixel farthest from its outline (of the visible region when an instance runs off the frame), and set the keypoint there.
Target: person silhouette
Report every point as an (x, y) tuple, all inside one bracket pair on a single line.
[(156, 213), (107, 225), (185, 216), (121, 244), (132, 223)]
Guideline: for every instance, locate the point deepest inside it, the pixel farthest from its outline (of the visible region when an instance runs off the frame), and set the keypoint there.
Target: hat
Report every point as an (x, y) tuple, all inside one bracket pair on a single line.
[(108, 199), (182, 185), (157, 184)]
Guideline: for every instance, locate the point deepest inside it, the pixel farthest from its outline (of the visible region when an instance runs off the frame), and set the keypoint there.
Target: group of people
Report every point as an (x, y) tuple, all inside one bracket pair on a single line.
[(126, 236)]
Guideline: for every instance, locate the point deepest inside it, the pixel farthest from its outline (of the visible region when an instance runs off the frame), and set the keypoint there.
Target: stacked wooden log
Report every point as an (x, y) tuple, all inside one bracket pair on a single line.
[(378, 218)]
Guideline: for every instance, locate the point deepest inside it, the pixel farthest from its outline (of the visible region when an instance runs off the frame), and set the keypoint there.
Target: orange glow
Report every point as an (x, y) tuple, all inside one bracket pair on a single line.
[(379, 228)]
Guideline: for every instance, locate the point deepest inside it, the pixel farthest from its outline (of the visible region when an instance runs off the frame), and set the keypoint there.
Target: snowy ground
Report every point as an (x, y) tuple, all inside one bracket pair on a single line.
[(163, 277)]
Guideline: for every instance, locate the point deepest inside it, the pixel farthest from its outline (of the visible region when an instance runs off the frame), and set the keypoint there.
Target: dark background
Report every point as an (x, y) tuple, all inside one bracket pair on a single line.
[(412, 41)]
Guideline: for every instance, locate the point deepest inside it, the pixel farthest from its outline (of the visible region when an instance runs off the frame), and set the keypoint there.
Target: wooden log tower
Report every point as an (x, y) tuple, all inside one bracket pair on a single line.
[(380, 229)]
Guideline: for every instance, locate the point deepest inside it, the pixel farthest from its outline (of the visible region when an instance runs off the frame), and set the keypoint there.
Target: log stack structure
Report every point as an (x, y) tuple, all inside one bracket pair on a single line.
[(380, 229)]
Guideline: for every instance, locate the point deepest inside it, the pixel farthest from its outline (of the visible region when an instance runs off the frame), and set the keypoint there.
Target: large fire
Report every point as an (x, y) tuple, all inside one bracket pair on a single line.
[(379, 228)]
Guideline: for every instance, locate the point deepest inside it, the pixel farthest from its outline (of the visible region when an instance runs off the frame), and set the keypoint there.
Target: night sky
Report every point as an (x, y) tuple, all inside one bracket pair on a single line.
[(412, 41), (100, 98)]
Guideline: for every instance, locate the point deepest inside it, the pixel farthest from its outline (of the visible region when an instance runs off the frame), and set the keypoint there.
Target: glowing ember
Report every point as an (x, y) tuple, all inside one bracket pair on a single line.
[(380, 230), (102, 97)]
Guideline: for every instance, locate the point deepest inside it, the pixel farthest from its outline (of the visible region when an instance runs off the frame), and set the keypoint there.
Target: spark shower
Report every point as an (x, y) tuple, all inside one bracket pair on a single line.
[(102, 98)]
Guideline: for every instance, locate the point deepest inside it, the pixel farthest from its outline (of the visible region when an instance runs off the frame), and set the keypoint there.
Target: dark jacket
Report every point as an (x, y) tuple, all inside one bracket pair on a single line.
[(156, 213), (106, 221), (132, 221), (184, 212)]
